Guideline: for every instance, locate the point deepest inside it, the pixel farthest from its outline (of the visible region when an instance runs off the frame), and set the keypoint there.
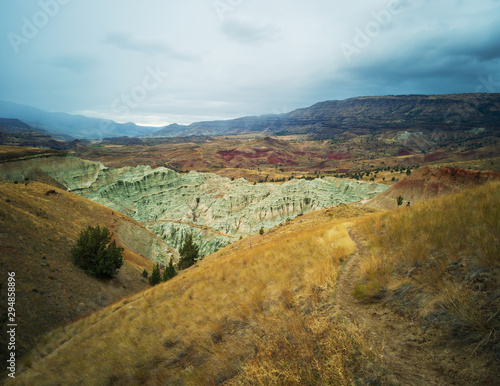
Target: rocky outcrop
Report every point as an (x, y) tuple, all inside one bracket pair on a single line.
[(70, 171), (144, 242), (215, 209), (175, 234), (173, 204)]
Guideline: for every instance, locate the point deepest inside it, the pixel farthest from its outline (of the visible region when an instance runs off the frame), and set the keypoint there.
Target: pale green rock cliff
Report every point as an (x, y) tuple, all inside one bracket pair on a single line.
[(173, 204), (215, 209)]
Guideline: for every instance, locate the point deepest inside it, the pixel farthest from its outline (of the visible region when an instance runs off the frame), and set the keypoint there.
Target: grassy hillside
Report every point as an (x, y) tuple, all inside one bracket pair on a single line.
[(427, 183), (37, 232), (258, 312), (440, 262), (262, 310)]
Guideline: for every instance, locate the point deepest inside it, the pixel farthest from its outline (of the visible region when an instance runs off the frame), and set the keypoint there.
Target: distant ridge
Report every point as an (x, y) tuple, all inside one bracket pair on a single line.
[(14, 132), (362, 115), (67, 126)]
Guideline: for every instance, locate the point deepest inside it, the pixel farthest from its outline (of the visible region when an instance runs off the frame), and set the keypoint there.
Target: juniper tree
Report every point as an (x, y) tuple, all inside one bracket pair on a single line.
[(169, 272), (155, 277), (96, 253), (189, 253)]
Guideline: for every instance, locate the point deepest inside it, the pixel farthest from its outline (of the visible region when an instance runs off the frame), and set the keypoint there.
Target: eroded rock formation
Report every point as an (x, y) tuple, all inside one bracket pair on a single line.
[(215, 209)]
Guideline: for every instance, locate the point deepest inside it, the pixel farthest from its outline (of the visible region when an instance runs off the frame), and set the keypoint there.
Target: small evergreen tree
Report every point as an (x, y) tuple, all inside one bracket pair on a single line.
[(145, 273), (261, 231), (408, 171), (188, 252), (155, 277), (400, 200), (96, 253), (169, 272)]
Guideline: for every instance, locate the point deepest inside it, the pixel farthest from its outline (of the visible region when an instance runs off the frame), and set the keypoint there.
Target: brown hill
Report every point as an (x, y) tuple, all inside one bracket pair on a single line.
[(37, 231), (18, 133), (427, 183), (12, 153)]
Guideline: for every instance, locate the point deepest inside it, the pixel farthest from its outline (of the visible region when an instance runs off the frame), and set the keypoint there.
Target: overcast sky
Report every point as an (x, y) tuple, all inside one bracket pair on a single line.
[(156, 62)]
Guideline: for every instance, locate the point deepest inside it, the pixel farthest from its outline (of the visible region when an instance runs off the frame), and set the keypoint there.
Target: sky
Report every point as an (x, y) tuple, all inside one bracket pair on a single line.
[(157, 62)]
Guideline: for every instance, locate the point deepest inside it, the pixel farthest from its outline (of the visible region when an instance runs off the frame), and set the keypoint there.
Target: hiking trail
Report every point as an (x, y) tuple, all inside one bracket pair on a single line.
[(414, 356)]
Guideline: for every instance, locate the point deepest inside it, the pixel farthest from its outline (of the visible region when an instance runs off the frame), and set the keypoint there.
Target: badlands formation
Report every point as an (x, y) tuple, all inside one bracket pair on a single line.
[(216, 210)]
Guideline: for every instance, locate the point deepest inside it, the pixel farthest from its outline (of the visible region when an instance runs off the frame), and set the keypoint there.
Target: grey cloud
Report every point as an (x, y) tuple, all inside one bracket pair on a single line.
[(127, 41), (248, 31), (482, 49), (261, 57), (72, 62)]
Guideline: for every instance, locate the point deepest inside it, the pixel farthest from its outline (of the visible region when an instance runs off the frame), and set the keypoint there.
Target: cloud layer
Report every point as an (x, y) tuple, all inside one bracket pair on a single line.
[(232, 58)]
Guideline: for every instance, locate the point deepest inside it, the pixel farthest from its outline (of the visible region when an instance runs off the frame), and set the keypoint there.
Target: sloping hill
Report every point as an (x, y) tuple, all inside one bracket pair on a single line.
[(262, 311), (437, 264), (16, 133), (39, 224), (427, 183), (258, 312)]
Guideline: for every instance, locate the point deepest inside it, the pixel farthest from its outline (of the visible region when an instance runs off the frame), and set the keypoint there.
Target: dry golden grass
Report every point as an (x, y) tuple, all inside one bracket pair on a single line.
[(440, 260), (36, 237), (259, 314)]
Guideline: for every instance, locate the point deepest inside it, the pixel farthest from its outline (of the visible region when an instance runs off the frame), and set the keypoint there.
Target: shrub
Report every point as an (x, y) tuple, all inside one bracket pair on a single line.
[(155, 277), (169, 272), (188, 252), (261, 231), (96, 253), (145, 273), (400, 200)]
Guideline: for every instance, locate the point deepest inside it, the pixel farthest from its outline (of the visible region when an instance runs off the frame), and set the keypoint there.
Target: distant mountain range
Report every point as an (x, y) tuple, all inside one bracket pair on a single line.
[(361, 115), (67, 126), (15, 132)]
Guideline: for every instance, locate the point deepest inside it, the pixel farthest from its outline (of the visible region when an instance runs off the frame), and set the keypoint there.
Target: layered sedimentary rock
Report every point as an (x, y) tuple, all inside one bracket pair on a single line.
[(215, 209), (173, 204), (70, 171)]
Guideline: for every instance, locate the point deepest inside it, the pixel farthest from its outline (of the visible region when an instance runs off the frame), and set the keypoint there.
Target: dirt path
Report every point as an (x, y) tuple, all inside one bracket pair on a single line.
[(412, 355)]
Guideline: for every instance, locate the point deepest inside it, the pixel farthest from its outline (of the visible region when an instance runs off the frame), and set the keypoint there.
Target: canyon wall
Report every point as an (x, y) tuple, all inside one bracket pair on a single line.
[(215, 209)]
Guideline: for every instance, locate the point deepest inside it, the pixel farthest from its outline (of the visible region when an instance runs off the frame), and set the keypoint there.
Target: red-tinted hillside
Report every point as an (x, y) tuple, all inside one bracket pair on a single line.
[(427, 183)]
